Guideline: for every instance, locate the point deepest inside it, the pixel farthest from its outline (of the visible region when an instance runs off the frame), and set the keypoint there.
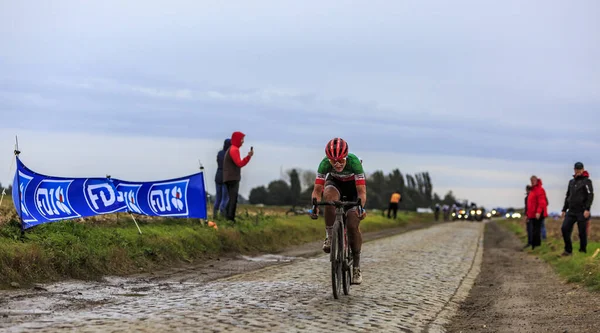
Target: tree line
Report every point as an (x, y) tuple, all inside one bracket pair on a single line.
[(295, 189)]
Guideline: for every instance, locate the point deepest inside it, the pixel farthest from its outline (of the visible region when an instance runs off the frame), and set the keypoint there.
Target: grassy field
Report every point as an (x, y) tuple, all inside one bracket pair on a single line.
[(581, 267), (110, 244)]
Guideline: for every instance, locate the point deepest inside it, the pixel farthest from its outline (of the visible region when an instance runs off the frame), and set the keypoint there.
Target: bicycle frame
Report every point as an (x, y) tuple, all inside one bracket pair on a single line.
[(340, 254)]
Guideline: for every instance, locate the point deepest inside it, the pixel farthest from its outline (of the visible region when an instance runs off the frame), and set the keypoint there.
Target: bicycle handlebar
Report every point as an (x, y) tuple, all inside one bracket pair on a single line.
[(336, 203)]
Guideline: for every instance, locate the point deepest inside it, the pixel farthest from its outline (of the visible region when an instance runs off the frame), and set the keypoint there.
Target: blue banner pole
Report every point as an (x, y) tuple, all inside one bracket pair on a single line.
[(17, 152), (109, 179), (206, 202)]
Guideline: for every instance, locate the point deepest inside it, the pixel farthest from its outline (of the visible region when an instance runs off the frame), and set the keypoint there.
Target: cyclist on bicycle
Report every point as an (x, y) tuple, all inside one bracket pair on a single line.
[(340, 174)]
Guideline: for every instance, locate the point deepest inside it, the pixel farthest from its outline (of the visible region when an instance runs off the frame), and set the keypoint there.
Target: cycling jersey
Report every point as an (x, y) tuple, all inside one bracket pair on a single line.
[(352, 171)]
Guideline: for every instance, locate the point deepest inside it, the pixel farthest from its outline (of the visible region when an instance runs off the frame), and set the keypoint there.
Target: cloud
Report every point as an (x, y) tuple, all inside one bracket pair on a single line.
[(9, 99), (109, 106)]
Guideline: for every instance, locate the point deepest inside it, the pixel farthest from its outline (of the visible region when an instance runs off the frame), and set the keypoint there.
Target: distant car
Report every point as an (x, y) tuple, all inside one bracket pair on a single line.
[(495, 212), (464, 214), (459, 214), (511, 214), (475, 213), (479, 214)]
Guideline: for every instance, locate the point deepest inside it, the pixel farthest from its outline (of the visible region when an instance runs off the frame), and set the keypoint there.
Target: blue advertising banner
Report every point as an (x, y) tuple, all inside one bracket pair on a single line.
[(42, 199)]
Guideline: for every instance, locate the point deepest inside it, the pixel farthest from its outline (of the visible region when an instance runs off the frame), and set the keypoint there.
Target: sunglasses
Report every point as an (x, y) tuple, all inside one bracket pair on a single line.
[(338, 161)]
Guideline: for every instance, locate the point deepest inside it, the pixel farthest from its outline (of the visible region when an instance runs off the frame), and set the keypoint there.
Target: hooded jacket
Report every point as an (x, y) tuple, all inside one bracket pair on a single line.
[(580, 194), (233, 163), (220, 157), (537, 202)]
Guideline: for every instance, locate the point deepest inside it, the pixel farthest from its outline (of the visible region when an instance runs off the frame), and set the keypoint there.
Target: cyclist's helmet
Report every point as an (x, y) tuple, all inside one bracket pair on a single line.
[(336, 149)]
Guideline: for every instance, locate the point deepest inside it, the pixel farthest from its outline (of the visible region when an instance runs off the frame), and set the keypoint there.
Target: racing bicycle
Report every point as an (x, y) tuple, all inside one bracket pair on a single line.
[(340, 254)]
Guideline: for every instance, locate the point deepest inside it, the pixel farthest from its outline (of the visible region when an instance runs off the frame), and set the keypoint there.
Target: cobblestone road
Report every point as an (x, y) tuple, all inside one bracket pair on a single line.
[(412, 282)]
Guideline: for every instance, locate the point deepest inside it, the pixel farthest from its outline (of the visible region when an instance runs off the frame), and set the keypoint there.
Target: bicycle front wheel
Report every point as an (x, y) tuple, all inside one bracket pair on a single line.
[(335, 257)]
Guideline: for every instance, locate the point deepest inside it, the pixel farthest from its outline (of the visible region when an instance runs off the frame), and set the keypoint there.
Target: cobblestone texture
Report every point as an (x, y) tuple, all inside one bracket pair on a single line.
[(411, 283)]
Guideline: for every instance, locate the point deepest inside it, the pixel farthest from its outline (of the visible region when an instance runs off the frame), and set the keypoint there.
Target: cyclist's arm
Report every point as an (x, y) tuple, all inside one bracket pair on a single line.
[(360, 179), (319, 185), (362, 194), (317, 192), (322, 171)]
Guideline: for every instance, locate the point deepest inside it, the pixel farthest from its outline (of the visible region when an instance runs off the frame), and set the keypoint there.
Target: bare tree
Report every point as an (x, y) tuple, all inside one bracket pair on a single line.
[(307, 178)]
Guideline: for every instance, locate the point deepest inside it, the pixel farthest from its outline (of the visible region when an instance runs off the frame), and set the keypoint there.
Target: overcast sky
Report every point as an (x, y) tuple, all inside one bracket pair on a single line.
[(481, 94)]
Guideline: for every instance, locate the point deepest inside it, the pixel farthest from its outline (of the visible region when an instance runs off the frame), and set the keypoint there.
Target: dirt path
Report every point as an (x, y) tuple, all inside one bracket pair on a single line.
[(516, 292)]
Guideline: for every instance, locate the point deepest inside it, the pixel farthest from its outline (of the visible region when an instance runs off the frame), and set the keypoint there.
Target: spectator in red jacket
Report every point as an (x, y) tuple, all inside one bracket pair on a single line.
[(537, 210), (232, 173)]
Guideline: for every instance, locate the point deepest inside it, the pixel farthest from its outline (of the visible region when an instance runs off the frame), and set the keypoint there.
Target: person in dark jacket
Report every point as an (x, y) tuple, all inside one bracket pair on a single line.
[(222, 198), (578, 202), (544, 233), (528, 226), (232, 173)]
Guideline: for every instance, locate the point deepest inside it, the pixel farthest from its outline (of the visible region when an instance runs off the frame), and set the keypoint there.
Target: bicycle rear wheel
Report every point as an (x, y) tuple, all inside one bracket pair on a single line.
[(335, 257)]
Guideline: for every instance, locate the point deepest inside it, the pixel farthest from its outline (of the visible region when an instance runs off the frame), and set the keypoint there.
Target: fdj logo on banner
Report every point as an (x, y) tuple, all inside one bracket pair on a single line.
[(23, 182), (130, 195), (43, 199), (169, 199), (102, 197), (51, 200)]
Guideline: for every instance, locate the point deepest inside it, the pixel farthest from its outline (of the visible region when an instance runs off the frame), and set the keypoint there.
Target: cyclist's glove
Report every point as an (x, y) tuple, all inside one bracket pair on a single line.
[(361, 212), (314, 213)]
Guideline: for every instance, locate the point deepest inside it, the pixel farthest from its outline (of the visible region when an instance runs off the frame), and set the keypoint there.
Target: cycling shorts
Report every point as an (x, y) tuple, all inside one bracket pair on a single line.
[(346, 189)]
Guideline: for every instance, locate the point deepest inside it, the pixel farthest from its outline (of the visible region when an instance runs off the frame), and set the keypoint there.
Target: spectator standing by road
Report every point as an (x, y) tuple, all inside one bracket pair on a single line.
[(222, 197), (393, 206), (537, 210), (446, 211), (578, 202), (528, 226), (232, 171)]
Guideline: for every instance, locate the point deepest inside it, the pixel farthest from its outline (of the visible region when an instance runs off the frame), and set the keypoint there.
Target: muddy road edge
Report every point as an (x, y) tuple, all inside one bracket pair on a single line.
[(518, 292)]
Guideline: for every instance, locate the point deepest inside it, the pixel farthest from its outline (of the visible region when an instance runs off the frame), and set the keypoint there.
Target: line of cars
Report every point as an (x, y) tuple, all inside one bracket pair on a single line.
[(511, 213), (470, 212), (473, 212)]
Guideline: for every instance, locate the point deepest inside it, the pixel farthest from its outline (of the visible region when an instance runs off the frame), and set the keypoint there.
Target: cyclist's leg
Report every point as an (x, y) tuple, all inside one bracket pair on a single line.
[(355, 240), (354, 235), (348, 189), (330, 193)]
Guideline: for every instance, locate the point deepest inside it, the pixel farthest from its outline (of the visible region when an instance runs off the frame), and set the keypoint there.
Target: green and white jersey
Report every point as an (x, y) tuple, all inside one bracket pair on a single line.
[(352, 171)]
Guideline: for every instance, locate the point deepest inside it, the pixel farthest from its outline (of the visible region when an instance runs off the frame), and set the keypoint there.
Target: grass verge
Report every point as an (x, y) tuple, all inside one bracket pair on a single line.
[(580, 268), (91, 249)]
